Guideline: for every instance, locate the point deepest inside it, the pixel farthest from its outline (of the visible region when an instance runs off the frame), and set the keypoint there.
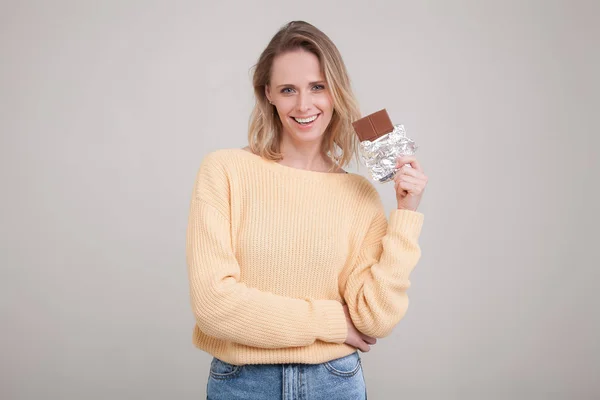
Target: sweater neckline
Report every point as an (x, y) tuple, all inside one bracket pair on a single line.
[(275, 166)]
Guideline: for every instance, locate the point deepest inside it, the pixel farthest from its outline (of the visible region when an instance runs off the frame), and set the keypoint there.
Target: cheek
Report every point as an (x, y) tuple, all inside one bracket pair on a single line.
[(284, 107), (325, 104)]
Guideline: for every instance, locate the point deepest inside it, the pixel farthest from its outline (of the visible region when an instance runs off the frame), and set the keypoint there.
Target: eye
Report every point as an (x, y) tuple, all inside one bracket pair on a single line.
[(319, 87), (285, 90)]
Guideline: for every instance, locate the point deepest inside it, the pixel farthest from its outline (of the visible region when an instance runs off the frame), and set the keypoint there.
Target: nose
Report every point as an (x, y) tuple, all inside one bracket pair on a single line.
[(304, 102)]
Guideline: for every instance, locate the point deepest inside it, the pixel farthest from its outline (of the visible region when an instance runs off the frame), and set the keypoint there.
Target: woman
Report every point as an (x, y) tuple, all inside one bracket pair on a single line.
[(292, 263)]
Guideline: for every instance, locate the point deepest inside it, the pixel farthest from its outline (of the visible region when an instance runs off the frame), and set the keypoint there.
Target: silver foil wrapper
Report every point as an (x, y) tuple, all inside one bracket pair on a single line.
[(380, 155)]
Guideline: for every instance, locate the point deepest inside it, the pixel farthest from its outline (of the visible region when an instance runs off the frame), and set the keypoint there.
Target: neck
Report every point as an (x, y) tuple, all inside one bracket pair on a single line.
[(306, 156)]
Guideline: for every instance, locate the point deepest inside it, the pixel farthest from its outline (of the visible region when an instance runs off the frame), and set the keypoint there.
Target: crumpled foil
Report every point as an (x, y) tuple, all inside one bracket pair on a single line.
[(380, 155)]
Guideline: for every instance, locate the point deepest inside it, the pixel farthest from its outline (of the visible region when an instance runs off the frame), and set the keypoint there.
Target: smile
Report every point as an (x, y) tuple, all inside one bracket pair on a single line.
[(305, 121)]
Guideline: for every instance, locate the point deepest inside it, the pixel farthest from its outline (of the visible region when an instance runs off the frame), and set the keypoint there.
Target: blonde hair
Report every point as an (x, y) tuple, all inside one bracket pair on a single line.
[(264, 133)]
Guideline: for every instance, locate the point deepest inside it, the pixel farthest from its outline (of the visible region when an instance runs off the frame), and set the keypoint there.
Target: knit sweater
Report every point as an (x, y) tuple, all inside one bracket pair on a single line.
[(273, 252)]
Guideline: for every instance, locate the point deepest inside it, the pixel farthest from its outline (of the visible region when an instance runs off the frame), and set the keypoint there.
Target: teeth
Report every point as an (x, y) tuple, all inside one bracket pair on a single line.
[(306, 120)]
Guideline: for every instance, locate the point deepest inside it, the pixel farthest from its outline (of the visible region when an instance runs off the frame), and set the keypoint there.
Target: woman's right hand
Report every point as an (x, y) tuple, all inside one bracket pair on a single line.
[(356, 338)]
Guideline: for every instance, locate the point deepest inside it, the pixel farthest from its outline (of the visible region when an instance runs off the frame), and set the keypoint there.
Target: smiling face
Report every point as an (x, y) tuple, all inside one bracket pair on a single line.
[(299, 92)]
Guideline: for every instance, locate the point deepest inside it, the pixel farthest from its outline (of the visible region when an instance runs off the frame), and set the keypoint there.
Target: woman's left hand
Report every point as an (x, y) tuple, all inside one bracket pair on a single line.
[(409, 183)]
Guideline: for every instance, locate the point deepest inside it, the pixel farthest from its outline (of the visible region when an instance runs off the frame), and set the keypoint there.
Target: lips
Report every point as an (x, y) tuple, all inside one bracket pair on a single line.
[(307, 119), (306, 124)]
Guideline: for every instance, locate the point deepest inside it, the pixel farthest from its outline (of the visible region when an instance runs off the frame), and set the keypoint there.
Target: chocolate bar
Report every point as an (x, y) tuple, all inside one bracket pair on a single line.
[(373, 126), (381, 143)]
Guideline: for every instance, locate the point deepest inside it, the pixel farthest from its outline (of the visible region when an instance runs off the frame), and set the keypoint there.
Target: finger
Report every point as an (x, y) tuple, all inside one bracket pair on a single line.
[(411, 179), (370, 340), (411, 188), (398, 188), (411, 172), (408, 178), (410, 160), (364, 347)]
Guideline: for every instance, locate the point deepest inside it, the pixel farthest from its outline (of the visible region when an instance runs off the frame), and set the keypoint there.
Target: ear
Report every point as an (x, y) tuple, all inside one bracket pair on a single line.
[(268, 92)]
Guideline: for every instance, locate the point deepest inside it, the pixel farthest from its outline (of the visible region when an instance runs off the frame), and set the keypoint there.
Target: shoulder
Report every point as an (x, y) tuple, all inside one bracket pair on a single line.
[(219, 157), (222, 166), (368, 194), (223, 162), (364, 197), (214, 178)]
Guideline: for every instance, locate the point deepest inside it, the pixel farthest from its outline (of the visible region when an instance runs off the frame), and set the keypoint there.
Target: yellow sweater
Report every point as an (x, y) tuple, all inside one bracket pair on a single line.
[(274, 251)]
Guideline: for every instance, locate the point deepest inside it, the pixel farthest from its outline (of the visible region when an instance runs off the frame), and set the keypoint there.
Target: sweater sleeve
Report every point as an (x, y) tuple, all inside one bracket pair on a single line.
[(376, 287), (226, 308)]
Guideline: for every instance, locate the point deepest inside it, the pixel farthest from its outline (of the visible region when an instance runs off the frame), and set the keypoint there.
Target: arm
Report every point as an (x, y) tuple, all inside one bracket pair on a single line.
[(375, 290), (226, 308)]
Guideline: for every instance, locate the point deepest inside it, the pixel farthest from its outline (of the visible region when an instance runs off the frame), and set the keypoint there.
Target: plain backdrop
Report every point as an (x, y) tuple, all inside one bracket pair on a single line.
[(108, 107)]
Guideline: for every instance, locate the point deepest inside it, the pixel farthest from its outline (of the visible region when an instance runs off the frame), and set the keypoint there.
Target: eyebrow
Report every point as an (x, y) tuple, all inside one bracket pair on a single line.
[(310, 84)]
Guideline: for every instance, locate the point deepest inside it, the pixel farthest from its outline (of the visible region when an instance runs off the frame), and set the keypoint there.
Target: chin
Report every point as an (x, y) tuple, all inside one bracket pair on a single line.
[(308, 136)]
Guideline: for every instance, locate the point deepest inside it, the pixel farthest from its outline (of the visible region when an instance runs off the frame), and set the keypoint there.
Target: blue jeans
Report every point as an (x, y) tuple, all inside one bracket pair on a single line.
[(339, 379)]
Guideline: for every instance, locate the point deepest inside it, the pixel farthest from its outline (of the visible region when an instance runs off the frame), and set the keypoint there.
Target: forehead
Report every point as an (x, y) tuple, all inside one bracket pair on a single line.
[(296, 67)]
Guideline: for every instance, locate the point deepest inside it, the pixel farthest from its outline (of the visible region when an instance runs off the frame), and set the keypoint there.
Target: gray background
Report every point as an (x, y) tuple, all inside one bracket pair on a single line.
[(107, 108)]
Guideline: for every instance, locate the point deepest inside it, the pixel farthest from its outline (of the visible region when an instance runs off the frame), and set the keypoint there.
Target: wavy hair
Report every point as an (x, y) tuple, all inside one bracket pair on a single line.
[(339, 143)]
